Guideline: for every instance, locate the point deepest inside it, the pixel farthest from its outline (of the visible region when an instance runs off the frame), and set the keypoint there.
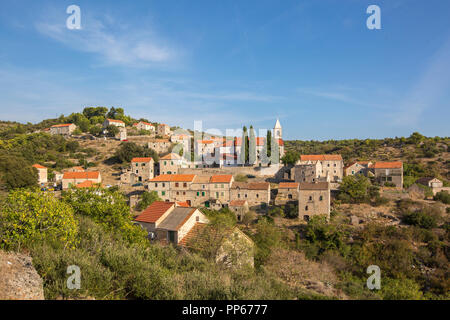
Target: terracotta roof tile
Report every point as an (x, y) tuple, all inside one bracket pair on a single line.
[(288, 185), (314, 186), (237, 203), (114, 120), (171, 156), (221, 178), (154, 211), (81, 175), (38, 166), (320, 157), (61, 125), (173, 178), (388, 165), (148, 159)]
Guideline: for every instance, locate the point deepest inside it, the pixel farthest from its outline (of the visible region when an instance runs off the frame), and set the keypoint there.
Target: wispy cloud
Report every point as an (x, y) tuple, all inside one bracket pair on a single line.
[(114, 43)]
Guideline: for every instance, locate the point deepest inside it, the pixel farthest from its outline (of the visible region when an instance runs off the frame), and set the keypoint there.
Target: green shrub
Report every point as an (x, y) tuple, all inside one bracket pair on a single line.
[(30, 216), (420, 219), (442, 196)]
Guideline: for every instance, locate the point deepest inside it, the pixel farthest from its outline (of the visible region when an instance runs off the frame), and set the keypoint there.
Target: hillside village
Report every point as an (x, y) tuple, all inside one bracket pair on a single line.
[(192, 176)]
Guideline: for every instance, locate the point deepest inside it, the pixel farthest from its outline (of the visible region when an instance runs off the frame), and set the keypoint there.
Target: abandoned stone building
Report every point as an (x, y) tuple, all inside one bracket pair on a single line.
[(287, 192), (143, 168), (311, 172), (171, 163), (313, 200), (256, 193), (160, 145), (332, 165), (163, 129), (63, 129), (357, 167), (239, 207)]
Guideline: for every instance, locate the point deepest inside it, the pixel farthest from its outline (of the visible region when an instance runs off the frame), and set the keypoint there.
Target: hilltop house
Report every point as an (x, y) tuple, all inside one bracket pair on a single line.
[(63, 129), (70, 179), (389, 172), (313, 199), (42, 173), (159, 145), (113, 122), (141, 125), (163, 129)]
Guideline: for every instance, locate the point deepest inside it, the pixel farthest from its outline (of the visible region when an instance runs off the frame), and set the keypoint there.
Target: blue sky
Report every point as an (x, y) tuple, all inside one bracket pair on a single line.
[(313, 64)]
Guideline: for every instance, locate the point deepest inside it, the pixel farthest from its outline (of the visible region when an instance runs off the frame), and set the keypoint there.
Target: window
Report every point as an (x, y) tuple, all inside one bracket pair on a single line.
[(389, 178), (321, 198), (203, 193), (328, 165), (335, 164), (221, 185), (239, 195), (217, 185), (171, 162), (198, 193), (197, 218), (306, 208), (165, 162), (156, 185), (185, 185), (289, 196), (164, 185), (136, 164), (221, 194), (217, 194), (178, 193), (310, 198), (177, 184), (257, 195), (246, 195), (163, 193)]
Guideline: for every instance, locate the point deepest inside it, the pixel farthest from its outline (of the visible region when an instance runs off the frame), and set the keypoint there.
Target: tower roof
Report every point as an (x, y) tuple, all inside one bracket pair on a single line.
[(277, 125)]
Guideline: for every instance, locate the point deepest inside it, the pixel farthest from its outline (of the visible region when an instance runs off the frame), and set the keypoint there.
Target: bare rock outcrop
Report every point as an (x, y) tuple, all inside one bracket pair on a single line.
[(18, 278)]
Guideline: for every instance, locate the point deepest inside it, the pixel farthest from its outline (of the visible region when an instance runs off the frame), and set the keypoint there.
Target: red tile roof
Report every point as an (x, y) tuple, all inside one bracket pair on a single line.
[(388, 165), (171, 156), (221, 178), (148, 159), (314, 186), (205, 141), (173, 178), (184, 204), (61, 125), (237, 203), (114, 120), (195, 232), (81, 175), (87, 184), (320, 157), (288, 185), (38, 166), (154, 211)]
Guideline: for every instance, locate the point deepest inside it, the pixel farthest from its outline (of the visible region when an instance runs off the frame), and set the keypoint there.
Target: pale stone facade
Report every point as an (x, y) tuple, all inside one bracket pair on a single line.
[(63, 129), (332, 165), (42, 173), (256, 193), (160, 145), (141, 125), (72, 179), (163, 129), (113, 122), (287, 192), (171, 163), (313, 200), (389, 172), (142, 168), (311, 172), (357, 167)]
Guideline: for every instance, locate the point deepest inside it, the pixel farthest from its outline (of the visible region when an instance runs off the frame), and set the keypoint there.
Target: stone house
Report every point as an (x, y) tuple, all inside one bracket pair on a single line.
[(430, 182), (239, 207), (287, 192), (63, 129), (142, 125), (256, 193), (170, 163), (313, 200), (42, 173), (230, 246), (219, 187), (389, 172), (163, 130), (113, 122), (143, 168), (311, 172), (357, 167), (70, 179), (332, 165), (160, 145), (173, 187), (168, 222)]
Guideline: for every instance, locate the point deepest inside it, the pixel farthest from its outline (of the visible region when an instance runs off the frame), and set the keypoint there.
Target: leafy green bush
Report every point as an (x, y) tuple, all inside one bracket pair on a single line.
[(355, 189), (147, 199), (30, 216), (442, 196), (420, 219)]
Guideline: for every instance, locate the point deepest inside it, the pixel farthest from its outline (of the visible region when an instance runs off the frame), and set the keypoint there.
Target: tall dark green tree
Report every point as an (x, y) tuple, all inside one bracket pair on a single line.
[(268, 142), (244, 151)]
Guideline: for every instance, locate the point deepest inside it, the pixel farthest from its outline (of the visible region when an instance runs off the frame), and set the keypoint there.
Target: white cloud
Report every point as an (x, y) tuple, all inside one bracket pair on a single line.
[(114, 43)]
